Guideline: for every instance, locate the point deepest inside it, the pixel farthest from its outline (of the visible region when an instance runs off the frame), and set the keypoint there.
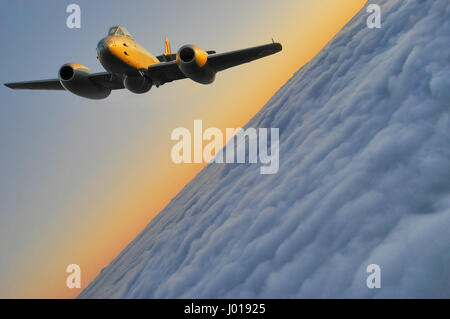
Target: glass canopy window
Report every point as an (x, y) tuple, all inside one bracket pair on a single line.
[(118, 30)]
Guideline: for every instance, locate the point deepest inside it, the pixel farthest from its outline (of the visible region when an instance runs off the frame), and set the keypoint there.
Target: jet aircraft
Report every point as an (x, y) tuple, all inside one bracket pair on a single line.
[(129, 65)]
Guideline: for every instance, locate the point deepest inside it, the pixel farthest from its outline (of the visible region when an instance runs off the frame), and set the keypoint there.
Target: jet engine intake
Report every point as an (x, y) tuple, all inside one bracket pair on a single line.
[(193, 63), (75, 78)]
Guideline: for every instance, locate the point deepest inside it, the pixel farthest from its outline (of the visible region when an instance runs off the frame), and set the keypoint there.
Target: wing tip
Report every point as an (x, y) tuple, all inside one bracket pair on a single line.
[(278, 46), (9, 85)]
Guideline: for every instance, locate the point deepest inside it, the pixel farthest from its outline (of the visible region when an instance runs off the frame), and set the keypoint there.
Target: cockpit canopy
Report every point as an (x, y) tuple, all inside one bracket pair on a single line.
[(118, 30)]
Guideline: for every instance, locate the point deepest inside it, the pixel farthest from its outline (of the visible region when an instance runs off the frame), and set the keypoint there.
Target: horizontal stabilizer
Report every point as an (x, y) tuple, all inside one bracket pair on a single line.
[(173, 56)]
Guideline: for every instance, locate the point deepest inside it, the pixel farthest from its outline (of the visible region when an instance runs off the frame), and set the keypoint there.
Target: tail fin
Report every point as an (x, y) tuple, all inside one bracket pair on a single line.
[(168, 50)]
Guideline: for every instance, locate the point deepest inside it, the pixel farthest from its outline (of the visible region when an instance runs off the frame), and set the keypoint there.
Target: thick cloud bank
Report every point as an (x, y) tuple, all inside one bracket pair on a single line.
[(364, 178)]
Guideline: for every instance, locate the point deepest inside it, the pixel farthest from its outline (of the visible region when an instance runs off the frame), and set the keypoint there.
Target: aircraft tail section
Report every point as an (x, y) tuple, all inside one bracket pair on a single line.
[(168, 56), (167, 51)]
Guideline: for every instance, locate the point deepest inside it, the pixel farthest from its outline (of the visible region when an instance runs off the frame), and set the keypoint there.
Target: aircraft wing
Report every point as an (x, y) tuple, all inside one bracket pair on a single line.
[(223, 61), (168, 71), (106, 80), (52, 84), (165, 72), (102, 78)]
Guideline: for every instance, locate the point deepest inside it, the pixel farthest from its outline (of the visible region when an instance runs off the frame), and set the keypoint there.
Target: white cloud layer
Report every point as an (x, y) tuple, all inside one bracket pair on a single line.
[(364, 178)]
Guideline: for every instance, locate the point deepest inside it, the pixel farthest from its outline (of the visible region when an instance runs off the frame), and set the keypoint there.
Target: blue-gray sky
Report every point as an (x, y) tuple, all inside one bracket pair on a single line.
[(80, 178)]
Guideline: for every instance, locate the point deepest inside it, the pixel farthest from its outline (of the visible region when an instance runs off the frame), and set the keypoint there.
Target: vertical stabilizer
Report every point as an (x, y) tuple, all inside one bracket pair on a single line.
[(167, 50)]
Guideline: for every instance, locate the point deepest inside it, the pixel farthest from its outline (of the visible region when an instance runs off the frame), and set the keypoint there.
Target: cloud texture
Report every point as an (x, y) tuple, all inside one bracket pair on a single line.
[(364, 178)]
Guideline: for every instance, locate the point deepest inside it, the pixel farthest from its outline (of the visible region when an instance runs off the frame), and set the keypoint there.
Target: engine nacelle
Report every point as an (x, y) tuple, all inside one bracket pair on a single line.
[(193, 62), (137, 84), (75, 78)]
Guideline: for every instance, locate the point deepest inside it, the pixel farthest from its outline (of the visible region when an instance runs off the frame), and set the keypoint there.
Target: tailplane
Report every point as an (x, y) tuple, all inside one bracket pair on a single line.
[(168, 56)]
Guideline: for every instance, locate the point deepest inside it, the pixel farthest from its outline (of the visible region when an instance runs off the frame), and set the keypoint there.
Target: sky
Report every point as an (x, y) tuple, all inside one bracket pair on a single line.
[(81, 178), (363, 183)]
